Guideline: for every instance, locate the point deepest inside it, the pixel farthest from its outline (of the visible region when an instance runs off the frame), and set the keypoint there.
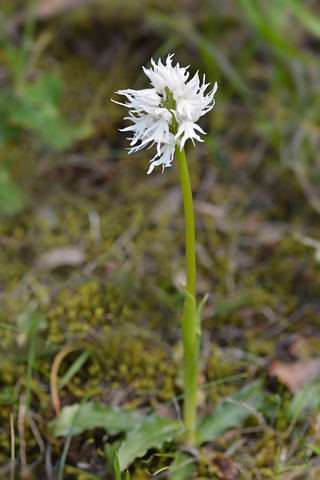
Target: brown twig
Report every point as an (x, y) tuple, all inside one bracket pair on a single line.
[(55, 369)]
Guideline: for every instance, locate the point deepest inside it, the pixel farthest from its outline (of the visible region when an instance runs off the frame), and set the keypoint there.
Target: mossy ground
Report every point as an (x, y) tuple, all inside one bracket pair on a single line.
[(123, 299)]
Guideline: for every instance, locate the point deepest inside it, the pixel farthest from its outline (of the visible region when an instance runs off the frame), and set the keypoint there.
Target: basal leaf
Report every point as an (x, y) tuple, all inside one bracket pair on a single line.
[(304, 402), (229, 414), (152, 433), (183, 467), (91, 415)]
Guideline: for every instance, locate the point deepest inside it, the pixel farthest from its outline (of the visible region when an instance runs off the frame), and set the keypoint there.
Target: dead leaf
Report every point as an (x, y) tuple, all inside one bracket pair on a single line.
[(297, 374), (63, 256), (239, 159), (265, 233), (167, 411), (228, 470), (305, 347)]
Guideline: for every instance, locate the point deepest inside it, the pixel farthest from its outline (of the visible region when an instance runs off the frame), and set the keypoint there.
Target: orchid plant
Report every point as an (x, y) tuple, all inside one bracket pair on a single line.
[(165, 115)]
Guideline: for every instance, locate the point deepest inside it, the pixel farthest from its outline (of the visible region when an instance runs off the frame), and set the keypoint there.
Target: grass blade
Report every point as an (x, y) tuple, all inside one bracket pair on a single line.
[(117, 466), (75, 367), (309, 20)]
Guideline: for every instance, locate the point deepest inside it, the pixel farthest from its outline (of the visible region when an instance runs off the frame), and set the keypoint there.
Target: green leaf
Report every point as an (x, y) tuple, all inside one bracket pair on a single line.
[(45, 120), (230, 415), (304, 402), (257, 17), (191, 334), (34, 322), (305, 17), (91, 415), (75, 367), (11, 199), (315, 449), (7, 395), (182, 468), (201, 305), (117, 466), (46, 90), (151, 433), (7, 105), (36, 108)]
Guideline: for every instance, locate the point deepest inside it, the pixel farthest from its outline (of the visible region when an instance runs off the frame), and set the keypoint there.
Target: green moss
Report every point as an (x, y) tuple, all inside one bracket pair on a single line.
[(261, 348)]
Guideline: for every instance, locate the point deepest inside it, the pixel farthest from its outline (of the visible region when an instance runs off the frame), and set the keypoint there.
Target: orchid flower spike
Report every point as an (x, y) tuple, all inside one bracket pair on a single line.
[(166, 114)]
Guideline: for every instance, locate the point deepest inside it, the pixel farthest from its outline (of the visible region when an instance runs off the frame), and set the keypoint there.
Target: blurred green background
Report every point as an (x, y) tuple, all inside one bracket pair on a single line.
[(63, 60)]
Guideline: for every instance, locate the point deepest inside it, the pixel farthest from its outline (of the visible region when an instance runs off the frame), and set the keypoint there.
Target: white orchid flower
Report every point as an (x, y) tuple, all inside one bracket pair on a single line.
[(166, 114)]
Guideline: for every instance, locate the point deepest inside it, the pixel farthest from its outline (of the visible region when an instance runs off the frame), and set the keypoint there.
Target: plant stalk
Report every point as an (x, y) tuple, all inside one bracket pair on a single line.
[(191, 330), (189, 220)]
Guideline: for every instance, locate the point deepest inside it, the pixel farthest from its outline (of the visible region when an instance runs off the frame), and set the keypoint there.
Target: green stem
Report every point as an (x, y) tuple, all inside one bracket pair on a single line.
[(191, 330), (189, 219)]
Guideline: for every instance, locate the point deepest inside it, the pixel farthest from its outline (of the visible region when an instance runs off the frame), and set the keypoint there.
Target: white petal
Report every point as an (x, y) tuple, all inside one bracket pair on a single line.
[(187, 130), (165, 157)]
